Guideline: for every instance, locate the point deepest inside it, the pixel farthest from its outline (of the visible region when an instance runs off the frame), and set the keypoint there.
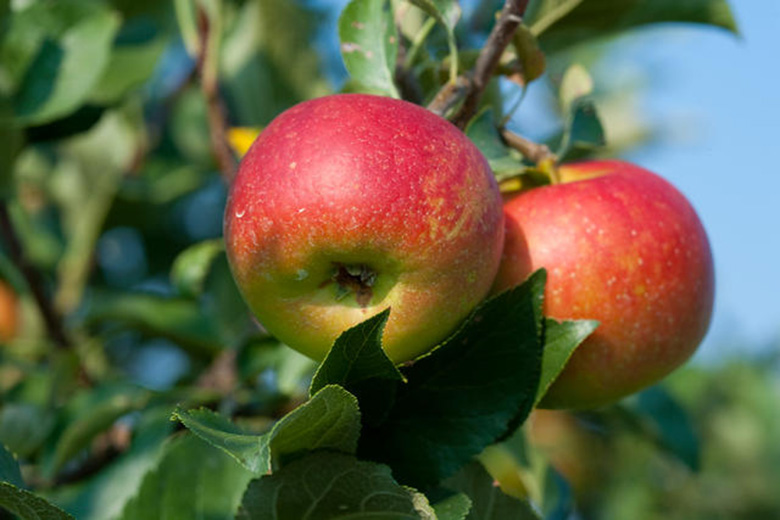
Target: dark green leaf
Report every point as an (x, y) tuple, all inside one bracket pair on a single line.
[(562, 23), (584, 133), (9, 468), (467, 393), (488, 502), (560, 340), (328, 485), (189, 270), (483, 132), (222, 301), (454, 507), (193, 480), (67, 64), (667, 423), (558, 501), (357, 362), (28, 506), (369, 44), (24, 427)]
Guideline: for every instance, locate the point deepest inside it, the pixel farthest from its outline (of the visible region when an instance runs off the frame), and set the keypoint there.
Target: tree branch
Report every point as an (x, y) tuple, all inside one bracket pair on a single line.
[(34, 280), (471, 86), (532, 151), (206, 66)]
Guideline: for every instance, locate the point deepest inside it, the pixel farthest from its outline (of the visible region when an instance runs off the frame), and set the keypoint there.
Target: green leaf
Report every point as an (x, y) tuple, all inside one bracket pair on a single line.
[(540, 15), (189, 270), (28, 506), (256, 56), (330, 420), (369, 44), (488, 501), (357, 362), (68, 62), (531, 57), (177, 319), (223, 303), (560, 340), (128, 68), (94, 420), (447, 13), (483, 132), (562, 23), (106, 494), (329, 485), (453, 507), (9, 468), (658, 414), (193, 480), (576, 83), (584, 132), (25, 426), (249, 450), (466, 394)]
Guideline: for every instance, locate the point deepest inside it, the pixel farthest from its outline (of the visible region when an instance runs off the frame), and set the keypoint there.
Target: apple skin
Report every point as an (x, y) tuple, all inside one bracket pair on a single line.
[(9, 313), (621, 245), (349, 183)]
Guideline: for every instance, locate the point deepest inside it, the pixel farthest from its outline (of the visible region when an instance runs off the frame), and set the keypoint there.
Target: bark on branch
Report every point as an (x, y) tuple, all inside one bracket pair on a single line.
[(471, 86)]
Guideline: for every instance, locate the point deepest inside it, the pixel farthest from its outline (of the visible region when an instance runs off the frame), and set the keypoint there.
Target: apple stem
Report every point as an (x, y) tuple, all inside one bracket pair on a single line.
[(546, 161), (357, 279)]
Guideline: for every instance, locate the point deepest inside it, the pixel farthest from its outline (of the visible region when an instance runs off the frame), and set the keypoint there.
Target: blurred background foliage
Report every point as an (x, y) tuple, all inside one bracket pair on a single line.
[(113, 200)]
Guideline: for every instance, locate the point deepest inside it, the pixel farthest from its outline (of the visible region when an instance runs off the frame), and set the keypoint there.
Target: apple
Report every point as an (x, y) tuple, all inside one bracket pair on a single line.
[(9, 314), (621, 245), (349, 204)]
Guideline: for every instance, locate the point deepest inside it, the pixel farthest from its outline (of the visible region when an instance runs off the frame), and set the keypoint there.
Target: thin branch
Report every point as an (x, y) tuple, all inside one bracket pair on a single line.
[(478, 78), (532, 151), (34, 280), (206, 66)]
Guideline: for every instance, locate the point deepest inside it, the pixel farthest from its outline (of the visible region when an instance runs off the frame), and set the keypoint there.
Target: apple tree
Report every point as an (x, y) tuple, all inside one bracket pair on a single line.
[(135, 381)]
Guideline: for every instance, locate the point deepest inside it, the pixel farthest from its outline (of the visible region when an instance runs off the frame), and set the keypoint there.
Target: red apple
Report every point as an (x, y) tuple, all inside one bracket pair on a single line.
[(349, 204), (621, 245)]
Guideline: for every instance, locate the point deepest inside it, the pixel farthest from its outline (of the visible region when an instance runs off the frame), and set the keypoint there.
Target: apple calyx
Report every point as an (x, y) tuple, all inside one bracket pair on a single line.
[(358, 279)]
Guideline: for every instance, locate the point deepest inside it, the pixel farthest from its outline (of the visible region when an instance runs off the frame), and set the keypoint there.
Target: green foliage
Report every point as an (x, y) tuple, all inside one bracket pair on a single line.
[(108, 180), (560, 340), (369, 44), (465, 394), (331, 485)]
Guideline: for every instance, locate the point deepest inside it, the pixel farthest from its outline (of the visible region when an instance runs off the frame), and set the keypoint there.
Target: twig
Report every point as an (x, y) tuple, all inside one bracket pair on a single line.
[(206, 66), (532, 151), (477, 80), (34, 280)]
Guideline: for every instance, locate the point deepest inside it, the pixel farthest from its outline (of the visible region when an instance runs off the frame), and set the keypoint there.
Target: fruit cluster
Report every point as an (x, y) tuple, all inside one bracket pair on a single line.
[(349, 204)]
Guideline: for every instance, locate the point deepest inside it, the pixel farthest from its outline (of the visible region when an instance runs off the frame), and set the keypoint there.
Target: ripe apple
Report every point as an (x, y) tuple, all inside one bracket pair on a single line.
[(621, 245), (349, 204)]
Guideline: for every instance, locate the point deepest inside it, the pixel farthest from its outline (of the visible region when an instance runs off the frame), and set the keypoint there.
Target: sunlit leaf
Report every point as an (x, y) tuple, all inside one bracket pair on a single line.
[(369, 44)]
